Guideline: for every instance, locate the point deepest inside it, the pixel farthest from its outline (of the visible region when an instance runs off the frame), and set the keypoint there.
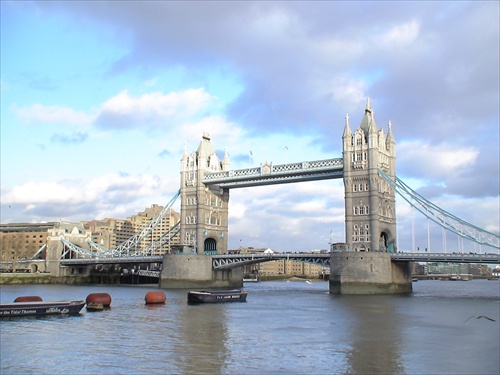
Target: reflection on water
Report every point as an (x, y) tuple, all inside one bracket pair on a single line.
[(376, 335), (202, 348), (283, 328)]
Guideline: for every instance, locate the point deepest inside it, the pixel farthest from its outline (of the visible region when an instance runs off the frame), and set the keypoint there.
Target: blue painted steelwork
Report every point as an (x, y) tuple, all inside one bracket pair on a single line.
[(268, 174), (442, 217), (228, 261), (221, 262)]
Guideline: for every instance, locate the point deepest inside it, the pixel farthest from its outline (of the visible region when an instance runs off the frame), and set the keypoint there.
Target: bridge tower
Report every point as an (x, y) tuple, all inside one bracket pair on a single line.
[(370, 215), (204, 209), (370, 203)]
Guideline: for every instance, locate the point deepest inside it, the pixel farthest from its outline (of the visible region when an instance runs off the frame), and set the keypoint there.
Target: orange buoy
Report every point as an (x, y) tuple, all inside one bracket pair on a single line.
[(155, 297), (28, 299), (103, 298)]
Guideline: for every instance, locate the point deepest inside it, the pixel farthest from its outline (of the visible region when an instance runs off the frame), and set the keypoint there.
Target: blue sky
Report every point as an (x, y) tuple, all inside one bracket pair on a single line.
[(99, 99)]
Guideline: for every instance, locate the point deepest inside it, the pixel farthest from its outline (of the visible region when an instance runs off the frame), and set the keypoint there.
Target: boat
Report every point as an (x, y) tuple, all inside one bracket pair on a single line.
[(40, 308), (217, 296)]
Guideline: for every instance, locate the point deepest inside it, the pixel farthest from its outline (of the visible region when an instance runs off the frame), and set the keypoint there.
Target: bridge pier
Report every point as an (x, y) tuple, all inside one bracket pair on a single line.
[(368, 273), (187, 271)]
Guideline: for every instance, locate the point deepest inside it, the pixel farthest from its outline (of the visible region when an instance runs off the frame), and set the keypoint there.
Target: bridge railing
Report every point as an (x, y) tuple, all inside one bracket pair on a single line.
[(269, 170)]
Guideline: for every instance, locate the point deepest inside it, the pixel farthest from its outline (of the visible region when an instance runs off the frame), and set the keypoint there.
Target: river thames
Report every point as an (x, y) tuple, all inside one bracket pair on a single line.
[(283, 328)]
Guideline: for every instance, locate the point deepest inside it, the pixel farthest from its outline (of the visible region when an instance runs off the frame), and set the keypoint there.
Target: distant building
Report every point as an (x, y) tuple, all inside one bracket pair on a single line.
[(23, 240), (156, 236), (110, 232), (282, 267)]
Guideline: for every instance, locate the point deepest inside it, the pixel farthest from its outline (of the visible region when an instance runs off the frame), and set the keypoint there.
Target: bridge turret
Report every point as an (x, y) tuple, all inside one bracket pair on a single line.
[(204, 209), (369, 203)]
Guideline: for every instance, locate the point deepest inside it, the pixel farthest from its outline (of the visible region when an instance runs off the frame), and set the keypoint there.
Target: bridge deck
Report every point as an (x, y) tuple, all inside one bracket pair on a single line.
[(227, 261), (269, 174)]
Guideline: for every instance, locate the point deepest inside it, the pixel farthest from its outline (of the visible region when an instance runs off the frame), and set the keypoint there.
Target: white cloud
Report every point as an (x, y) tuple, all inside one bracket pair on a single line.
[(125, 110), (435, 160), (107, 193), (152, 109), (33, 193), (41, 114), (165, 105), (402, 35)]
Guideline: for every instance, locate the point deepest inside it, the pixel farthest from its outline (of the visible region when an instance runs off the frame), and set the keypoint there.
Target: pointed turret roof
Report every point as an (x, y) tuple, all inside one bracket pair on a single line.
[(205, 148), (368, 122), (226, 160), (347, 128), (390, 136)]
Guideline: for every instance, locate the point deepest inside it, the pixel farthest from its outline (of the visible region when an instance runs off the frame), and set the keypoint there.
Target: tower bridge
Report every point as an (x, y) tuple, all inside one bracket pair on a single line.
[(370, 263)]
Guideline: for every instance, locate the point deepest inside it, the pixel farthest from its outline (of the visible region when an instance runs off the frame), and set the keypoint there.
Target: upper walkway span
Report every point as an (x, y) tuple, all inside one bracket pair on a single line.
[(268, 174)]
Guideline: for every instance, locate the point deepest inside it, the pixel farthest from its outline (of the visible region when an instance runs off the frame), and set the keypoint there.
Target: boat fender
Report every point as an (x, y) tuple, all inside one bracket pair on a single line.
[(155, 297), (103, 298), (28, 299)]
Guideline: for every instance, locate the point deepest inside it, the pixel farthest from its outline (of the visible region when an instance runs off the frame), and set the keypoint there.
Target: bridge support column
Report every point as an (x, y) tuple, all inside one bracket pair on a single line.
[(368, 273), (195, 271)]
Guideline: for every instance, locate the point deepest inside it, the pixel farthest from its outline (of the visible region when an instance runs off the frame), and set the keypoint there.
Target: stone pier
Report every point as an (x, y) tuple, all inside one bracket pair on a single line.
[(368, 273), (195, 271)]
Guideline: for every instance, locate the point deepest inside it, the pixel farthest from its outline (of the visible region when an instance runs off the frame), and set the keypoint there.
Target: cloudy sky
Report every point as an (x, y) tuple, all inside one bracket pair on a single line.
[(99, 100)]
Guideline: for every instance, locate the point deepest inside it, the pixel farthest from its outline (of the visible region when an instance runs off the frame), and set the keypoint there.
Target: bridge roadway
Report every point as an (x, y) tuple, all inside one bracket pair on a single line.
[(228, 261)]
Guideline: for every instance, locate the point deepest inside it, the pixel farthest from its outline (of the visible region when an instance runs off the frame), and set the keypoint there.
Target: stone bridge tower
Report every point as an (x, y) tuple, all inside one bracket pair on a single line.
[(370, 203), (204, 208)]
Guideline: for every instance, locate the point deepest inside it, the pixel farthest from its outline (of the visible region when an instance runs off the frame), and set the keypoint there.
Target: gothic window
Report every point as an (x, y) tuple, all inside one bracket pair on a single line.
[(191, 219), (355, 187), (366, 187), (214, 220), (359, 141)]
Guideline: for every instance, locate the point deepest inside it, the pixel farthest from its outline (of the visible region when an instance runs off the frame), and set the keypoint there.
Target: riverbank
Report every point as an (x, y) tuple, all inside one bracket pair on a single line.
[(13, 278)]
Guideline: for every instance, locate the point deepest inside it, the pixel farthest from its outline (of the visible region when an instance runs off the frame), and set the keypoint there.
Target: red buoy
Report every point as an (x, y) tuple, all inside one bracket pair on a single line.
[(28, 299), (155, 297), (103, 298)]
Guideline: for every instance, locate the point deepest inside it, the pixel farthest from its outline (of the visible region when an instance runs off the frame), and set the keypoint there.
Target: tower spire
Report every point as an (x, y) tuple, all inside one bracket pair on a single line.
[(347, 128)]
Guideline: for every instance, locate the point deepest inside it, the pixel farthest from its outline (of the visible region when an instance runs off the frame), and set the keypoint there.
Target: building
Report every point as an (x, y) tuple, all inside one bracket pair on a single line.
[(108, 233), (370, 211), (282, 267), (204, 211), (23, 240), (158, 238)]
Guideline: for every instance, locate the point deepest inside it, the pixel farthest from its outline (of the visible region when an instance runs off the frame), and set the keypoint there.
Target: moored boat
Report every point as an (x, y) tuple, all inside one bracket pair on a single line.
[(217, 296), (40, 308)]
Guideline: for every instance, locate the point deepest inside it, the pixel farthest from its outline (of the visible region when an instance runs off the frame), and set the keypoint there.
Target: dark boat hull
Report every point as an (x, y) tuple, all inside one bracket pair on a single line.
[(217, 296), (40, 308)]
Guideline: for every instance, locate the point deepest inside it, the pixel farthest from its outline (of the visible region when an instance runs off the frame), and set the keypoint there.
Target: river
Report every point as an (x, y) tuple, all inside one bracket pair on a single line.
[(283, 328)]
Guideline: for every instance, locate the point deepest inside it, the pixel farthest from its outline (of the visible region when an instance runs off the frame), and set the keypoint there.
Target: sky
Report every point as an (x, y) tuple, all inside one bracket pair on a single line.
[(100, 99)]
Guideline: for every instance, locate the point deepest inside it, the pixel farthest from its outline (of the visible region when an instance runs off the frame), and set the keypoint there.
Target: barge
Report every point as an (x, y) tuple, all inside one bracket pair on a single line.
[(217, 296), (40, 308)]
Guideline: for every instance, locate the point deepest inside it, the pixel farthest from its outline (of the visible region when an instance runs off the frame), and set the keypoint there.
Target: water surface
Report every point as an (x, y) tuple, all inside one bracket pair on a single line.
[(284, 328)]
